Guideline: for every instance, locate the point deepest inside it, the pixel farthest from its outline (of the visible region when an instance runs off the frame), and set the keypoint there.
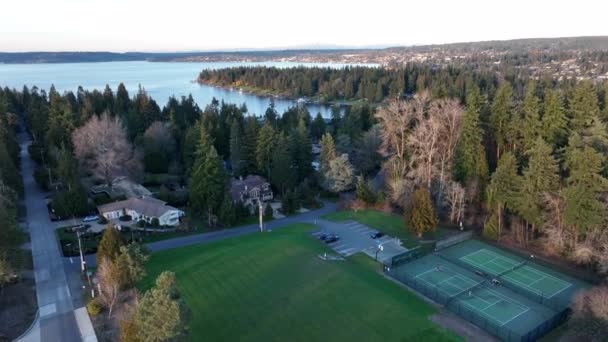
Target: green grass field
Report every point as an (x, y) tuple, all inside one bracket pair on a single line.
[(273, 287), (389, 224)]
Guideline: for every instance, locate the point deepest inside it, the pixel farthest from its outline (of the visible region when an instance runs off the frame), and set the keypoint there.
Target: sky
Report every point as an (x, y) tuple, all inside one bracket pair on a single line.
[(203, 25)]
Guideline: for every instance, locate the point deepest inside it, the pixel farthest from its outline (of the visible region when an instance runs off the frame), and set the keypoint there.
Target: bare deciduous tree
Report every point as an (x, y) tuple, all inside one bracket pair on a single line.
[(101, 145), (419, 137), (158, 136), (108, 277), (395, 122), (453, 197)]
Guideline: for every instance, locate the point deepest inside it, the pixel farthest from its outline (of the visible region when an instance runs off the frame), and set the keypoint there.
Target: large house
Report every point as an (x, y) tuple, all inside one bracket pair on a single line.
[(142, 208), (250, 190)]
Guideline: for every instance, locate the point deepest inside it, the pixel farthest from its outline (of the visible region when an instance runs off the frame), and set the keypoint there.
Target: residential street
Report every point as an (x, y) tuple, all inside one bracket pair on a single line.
[(56, 320), (308, 217)]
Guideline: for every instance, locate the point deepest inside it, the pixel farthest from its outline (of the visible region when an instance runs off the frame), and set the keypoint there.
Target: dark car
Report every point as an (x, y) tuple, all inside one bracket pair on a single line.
[(323, 236), (377, 235), (332, 238)]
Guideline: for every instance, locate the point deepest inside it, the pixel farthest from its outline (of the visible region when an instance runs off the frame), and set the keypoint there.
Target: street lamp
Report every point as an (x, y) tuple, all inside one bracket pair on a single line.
[(380, 248)]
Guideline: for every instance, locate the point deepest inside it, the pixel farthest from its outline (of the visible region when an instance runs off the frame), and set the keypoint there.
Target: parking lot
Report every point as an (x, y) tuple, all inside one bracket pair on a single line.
[(355, 237)]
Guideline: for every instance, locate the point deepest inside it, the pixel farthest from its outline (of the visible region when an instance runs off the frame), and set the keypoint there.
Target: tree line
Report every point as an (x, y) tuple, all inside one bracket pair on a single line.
[(11, 190), (376, 84)]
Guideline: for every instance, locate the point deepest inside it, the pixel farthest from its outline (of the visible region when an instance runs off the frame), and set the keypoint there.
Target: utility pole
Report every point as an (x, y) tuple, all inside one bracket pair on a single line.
[(261, 214), (82, 262)]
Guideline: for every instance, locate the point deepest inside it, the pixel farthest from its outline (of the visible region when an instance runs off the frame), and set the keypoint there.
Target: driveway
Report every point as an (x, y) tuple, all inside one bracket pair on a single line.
[(56, 319)]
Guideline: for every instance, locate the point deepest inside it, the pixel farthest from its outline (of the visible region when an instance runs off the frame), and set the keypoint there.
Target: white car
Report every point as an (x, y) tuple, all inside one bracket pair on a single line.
[(90, 218)]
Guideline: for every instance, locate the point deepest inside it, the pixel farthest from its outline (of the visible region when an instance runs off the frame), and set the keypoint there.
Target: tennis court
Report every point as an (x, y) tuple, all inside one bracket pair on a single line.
[(511, 296), (520, 273), (473, 294)]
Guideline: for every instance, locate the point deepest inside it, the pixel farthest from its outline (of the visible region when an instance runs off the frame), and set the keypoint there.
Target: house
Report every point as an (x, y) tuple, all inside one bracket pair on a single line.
[(142, 208), (121, 187), (249, 190)]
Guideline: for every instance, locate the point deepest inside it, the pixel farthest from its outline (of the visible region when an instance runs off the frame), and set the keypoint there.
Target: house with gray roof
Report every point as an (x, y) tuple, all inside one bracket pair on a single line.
[(142, 208), (250, 190)]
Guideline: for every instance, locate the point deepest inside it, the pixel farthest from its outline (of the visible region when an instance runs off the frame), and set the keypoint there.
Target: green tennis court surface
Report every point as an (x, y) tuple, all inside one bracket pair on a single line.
[(528, 277), (473, 294), (511, 297)]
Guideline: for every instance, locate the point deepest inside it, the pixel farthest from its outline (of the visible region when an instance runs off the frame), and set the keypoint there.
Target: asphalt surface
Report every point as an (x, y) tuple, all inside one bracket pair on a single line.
[(56, 312), (356, 237)]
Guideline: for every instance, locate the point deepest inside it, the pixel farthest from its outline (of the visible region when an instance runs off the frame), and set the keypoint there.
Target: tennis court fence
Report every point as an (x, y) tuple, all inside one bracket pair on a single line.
[(504, 332), (555, 303), (452, 240)]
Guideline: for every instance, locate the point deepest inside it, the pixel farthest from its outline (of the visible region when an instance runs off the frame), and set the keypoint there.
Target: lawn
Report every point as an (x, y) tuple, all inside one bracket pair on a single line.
[(273, 287), (389, 224)]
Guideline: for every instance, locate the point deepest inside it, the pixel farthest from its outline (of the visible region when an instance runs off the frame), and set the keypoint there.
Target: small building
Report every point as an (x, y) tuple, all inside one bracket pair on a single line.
[(142, 208), (249, 190)]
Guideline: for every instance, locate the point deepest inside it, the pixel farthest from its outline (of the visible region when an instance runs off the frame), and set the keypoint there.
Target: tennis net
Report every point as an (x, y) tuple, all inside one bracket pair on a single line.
[(470, 289)]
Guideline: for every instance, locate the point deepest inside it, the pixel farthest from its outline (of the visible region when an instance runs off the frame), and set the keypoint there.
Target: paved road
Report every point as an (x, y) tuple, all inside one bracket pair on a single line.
[(56, 321), (312, 216)]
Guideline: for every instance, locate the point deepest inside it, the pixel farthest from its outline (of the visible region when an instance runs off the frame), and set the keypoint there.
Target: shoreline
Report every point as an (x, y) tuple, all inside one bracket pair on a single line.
[(301, 100)]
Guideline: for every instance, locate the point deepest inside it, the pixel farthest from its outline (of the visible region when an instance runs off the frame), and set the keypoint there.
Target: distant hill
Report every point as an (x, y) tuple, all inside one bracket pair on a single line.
[(599, 43)]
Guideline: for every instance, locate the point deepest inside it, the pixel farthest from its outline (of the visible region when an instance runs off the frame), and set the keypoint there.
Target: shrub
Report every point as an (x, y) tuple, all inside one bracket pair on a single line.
[(94, 307), (102, 220), (141, 223), (268, 212), (155, 223)]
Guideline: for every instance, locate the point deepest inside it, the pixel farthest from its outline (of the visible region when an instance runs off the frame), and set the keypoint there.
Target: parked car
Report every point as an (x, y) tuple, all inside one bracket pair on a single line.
[(90, 218), (377, 235), (332, 238), (323, 236)]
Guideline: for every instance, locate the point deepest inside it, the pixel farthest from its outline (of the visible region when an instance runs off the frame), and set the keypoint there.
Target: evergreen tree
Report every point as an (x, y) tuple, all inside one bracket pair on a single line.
[(584, 107), (207, 184), (250, 139), (502, 191), (530, 117), (161, 315), (227, 212), (364, 191), (264, 148), (189, 147), (421, 215), (300, 150), (271, 115), (328, 152), (554, 122), (66, 166), (541, 176), (236, 153), (470, 159), (584, 207), (501, 116), (282, 177), (109, 246), (318, 127)]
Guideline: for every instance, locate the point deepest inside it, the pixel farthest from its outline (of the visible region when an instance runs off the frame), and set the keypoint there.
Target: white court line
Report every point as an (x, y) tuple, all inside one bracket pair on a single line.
[(536, 281), (547, 275), (560, 291), (425, 272), (514, 317)]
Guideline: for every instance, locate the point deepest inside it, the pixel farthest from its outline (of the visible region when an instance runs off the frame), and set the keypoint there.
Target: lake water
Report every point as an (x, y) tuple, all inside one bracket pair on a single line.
[(161, 80)]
